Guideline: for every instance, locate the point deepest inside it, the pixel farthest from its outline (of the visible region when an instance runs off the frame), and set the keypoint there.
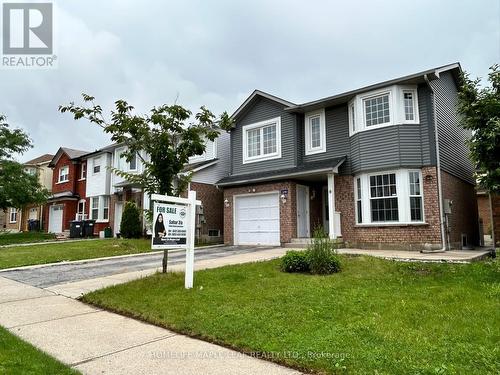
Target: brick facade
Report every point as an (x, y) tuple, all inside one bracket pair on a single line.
[(288, 214), (212, 200), (484, 212), (495, 208), (464, 213)]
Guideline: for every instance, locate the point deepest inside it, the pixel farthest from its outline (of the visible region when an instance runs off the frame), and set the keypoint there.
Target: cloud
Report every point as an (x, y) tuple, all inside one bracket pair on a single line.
[(215, 54)]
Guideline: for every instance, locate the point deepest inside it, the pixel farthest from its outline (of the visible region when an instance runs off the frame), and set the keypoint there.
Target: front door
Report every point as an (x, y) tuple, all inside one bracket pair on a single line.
[(56, 218), (326, 219), (118, 217), (303, 211)]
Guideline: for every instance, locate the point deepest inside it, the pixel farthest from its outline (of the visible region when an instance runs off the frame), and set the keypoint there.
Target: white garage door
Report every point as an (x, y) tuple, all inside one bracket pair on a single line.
[(257, 220), (55, 219)]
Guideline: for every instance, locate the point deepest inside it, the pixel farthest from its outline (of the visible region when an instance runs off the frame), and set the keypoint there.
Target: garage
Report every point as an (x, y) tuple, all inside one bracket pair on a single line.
[(257, 219), (56, 218)]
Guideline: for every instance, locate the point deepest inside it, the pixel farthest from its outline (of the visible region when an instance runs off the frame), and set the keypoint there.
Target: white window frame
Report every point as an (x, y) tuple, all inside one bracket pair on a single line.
[(60, 180), (92, 208), (30, 170), (396, 108), (402, 193), (83, 171), (13, 212), (105, 206), (96, 162), (310, 150), (421, 195), (103, 203), (260, 125), (136, 162)]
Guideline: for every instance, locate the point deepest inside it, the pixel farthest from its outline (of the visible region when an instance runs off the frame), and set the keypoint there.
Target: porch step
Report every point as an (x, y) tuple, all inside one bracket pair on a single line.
[(299, 243)]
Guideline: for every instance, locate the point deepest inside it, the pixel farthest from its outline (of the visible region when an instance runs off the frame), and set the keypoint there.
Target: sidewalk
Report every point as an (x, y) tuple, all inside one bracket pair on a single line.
[(94, 341)]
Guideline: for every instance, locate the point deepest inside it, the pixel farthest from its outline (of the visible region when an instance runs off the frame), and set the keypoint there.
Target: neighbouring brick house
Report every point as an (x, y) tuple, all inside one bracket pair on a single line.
[(67, 201), (381, 166), (489, 213), (17, 219)]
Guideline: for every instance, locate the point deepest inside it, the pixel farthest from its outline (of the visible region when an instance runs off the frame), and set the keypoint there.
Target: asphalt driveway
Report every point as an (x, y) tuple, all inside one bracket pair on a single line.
[(46, 276)]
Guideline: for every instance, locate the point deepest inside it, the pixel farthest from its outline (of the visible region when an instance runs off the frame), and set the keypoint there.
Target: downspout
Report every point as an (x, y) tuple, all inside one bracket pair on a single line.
[(438, 167)]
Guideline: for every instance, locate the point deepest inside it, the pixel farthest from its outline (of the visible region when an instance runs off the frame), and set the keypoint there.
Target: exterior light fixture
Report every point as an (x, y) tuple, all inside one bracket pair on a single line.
[(283, 198), (226, 202)]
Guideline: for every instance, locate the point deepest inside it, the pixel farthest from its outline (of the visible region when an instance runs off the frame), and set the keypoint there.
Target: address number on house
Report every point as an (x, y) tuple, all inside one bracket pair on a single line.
[(169, 226)]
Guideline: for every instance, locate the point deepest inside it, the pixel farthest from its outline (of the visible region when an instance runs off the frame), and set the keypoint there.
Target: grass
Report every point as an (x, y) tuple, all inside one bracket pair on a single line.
[(376, 316), (24, 237), (57, 252), (19, 357)]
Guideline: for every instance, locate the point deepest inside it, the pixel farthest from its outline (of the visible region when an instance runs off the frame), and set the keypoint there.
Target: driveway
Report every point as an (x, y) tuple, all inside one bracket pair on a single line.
[(55, 274)]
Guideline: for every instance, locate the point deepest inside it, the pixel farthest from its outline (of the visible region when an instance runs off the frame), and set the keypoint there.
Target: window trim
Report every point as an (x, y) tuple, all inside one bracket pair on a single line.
[(309, 149), (396, 108), (402, 193), (260, 125), (83, 171), (100, 208), (13, 211), (60, 174)]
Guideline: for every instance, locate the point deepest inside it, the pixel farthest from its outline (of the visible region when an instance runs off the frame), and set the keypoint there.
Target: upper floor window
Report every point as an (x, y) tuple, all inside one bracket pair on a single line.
[(132, 164), (389, 197), (315, 133), (389, 106), (83, 171), (262, 141), (97, 165), (30, 171), (13, 215), (64, 174)]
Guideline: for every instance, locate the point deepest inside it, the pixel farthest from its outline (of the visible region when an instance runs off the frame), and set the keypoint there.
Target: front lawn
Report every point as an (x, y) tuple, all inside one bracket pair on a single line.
[(376, 316), (17, 256), (19, 357), (7, 238)]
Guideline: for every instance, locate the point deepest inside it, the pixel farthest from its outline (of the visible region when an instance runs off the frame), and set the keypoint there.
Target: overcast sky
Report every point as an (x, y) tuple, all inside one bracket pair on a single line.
[(215, 53)]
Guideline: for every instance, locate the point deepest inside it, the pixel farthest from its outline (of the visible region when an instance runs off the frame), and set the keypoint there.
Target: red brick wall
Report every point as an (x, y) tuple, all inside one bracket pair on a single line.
[(70, 185), (464, 215), (212, 200), (484, 211), (410, 237), (288, 217)]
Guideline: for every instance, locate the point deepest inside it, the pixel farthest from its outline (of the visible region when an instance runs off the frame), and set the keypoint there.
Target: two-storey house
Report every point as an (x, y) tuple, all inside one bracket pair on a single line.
[(18, 219), (67, 201), (385, 165)]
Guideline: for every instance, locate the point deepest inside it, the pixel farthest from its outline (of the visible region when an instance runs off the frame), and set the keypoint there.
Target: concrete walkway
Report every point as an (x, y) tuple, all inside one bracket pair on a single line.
[(99, 342)]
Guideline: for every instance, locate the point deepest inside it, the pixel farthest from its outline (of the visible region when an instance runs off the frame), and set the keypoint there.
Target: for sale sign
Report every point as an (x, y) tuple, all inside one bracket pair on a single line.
[(169, 226)]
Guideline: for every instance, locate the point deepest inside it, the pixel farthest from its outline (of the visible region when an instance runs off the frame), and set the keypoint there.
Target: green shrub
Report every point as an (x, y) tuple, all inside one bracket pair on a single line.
[(295, 261), (130, 226), (322, 254)]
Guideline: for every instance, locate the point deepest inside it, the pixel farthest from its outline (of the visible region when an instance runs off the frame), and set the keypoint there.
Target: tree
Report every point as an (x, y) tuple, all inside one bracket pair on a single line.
[(164, 136), (17, 188), (130, 226), (480, 110)]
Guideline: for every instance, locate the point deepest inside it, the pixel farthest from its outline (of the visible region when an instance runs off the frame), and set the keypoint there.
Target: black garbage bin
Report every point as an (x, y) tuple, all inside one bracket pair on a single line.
[(75, 229), (88, 228), (35, 225)]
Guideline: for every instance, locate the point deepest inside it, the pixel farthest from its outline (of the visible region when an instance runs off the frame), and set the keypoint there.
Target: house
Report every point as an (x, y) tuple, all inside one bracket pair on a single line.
[(489, 217), (68, 200), (378, 167), (107, 191), (17, 219)]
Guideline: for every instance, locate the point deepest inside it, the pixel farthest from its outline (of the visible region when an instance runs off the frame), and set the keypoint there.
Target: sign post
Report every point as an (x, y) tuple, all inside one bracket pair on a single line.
[(174, 225)]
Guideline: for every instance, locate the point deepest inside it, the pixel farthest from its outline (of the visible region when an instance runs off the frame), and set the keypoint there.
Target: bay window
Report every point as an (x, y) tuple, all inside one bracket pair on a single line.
[(392, 197), (393, 105), (99, 209), (262, 141), (315, 132), (95, 208)]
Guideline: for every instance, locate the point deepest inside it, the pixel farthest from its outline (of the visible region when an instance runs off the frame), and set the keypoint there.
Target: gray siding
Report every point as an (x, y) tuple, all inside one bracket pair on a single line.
[(264, 109), (221, 169), (453, 150)]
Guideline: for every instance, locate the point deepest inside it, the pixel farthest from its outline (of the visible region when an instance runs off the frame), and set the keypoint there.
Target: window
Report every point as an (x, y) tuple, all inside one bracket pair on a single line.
[(377, 110), (315, 132), (415, 196), (95, 208), (105, 210), (97, 165), (30, 171), (83, 171), (409, 105), (383, 198), (132, 165), (13, 215), (262, 141), (64, 174), (213, 232), (359, 208), (391, 197), (352, 117)]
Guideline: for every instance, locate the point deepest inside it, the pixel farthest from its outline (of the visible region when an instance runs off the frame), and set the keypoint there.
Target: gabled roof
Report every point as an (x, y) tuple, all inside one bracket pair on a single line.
[(348, 95), (195, 167), (109, 149), (258, 93), (72, 154), (45, 158)]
